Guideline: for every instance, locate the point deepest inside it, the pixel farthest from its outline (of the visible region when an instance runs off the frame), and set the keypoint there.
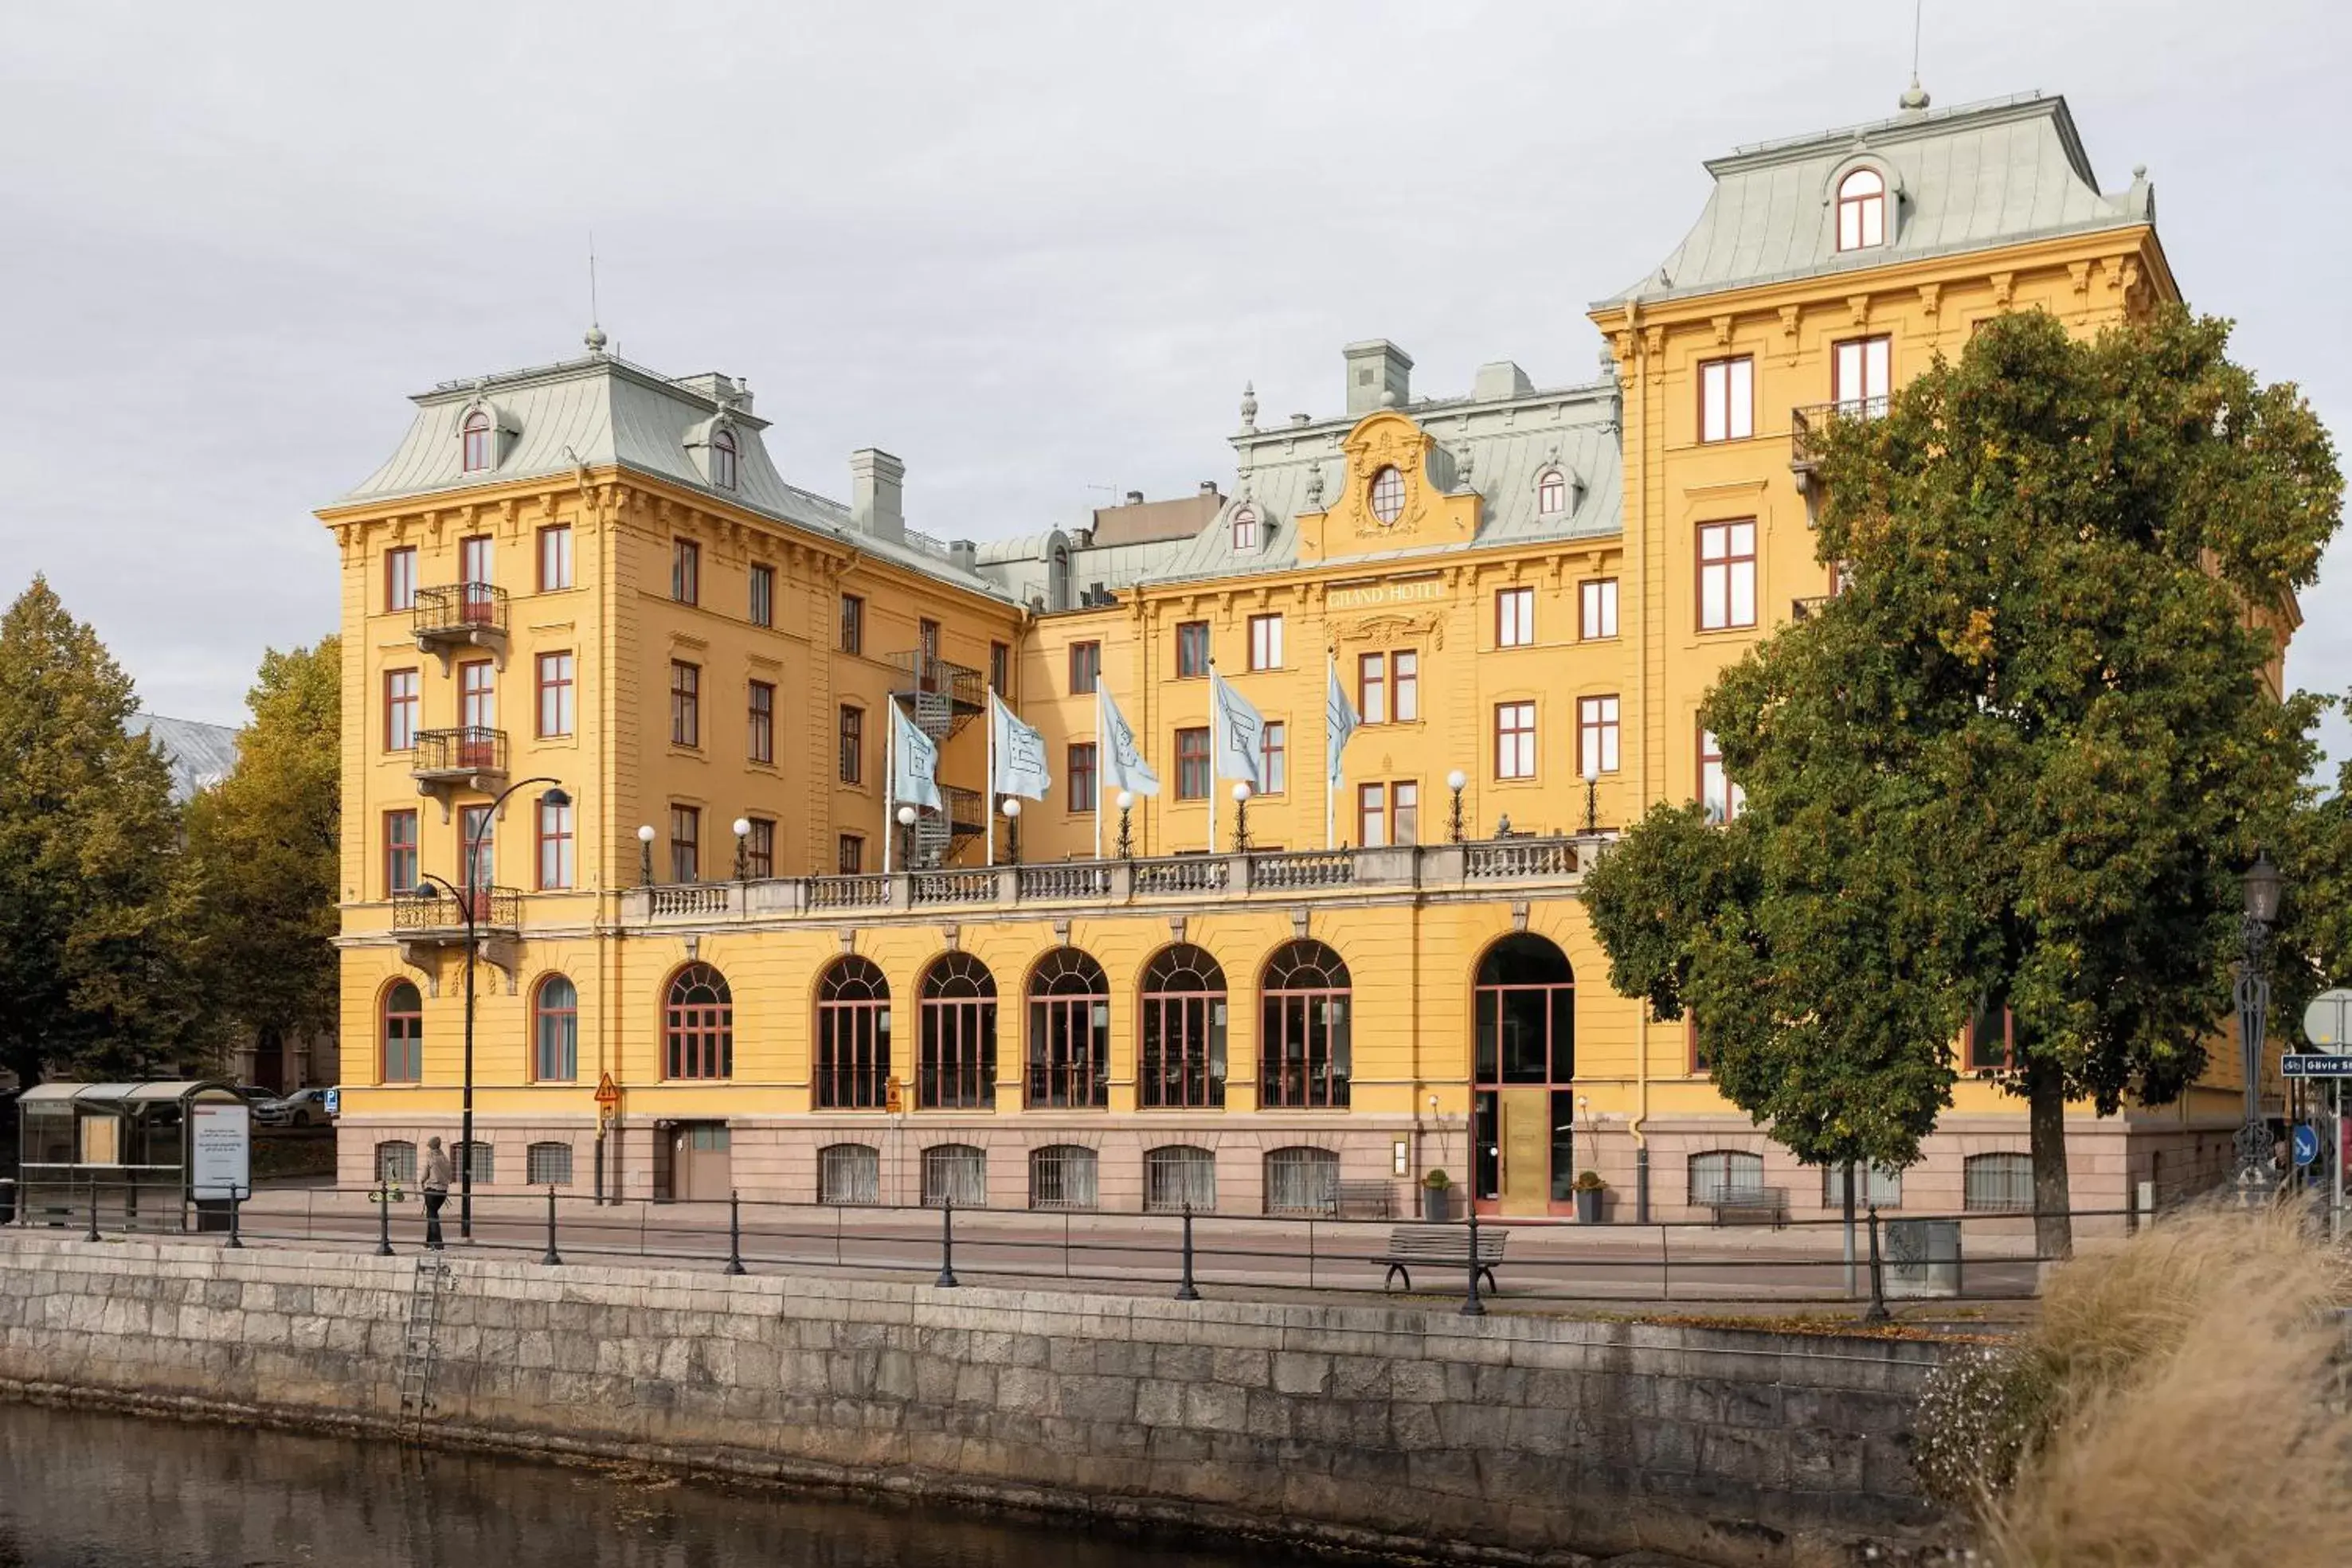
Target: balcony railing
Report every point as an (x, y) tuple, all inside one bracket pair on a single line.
[(1809, 428), (430, 911), (1807, 608), (459, 615), (470, 752), (966, 688), (1429, 871)]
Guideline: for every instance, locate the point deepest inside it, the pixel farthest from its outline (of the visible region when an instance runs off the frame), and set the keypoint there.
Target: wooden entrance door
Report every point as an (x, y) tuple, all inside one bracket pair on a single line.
[(1527, 1151), (701, 1161)]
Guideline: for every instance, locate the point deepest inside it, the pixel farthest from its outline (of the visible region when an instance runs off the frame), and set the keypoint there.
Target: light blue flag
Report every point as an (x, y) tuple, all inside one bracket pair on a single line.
[(1238, 728), (1340, 720), (914, 774), (1122, 764), (1020, 755)]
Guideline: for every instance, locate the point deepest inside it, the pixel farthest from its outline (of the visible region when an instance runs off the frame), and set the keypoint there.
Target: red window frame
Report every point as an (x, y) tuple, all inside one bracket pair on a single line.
[(1867, 207), (1000, 667), (849, 855), (686, 571), (1596, 599), (400, 579), (759, 848), (556, 711), (477, 695), (1191, 650), (853, 624), (1192, 780), (1551, 493), (1515, 722), (698, 1025), (544, 1013), (1265, 643), (1973, 1043), (722, 459), (684, 705), (553, 853), (851, 737), (400, 1036), (555, 558), (1404, 686), (1304, 1052), (684, 843), (1598, 734), (762, 595), (403, 701), (481, 442), (1710, 762), (400, 851), (1180, 1032), (1728, 562), (1738, 413), (1274, 757), (852, 1036), (1086, 668), (477, 563), (1404, 811), (1863, 399), (1373, 688), (955, 1063), (1515, 618), (1372, 815), (1081, 775), (760, 721)]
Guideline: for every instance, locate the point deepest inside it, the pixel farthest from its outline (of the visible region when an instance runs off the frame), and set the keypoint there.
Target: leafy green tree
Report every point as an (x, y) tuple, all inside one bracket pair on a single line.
[(2020, 760), (264, 842), (93, 905)]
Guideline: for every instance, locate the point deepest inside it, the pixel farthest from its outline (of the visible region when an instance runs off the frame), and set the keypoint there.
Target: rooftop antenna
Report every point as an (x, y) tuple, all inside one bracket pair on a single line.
[(1915, 100), (595, 338)]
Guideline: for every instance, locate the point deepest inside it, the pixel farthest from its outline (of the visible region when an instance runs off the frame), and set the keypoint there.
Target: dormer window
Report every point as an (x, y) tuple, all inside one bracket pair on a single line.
[(481, 442), (1862, 210), (1552, 493), (1245, 534), (722, 459)]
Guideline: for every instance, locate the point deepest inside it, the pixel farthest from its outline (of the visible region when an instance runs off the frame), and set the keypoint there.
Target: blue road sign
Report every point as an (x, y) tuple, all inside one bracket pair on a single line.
[(2312, 1064), (2306, 1143)]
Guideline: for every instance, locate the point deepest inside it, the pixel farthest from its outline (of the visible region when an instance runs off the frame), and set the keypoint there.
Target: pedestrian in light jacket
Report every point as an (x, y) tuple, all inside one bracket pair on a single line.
[(436, 1186)]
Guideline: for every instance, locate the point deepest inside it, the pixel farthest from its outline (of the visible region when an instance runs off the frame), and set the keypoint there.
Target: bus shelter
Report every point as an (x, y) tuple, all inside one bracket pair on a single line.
[(155, 1156)]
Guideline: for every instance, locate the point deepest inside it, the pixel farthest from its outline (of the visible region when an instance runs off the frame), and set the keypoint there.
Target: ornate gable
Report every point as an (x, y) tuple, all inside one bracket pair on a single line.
[(1392, 498)]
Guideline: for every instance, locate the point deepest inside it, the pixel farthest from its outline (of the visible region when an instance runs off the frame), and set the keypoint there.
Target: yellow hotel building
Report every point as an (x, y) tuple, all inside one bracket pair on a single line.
[(593, 574)]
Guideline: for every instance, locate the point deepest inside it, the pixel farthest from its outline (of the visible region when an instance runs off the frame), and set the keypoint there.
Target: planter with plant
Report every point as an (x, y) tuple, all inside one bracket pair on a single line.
[(1433, 1189), (1588, 1188)]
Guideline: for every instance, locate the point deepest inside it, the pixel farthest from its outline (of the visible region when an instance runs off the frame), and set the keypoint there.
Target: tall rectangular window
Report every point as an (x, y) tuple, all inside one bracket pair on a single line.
[(1514, 740), (479, 829), (555, 844), (1274, 757), (1404, 812), (1404, 671), (759, 848), (1086, 668), (477, 695), (760, 722), (555, 694), (853, 745), (1992, 1033), (686, 571), (555, 558), (1722, 797), (1000, 667), (1596, 735), (400, 578), (927, 640), (686, 843), (1192, 650), (473, 557), (849, 855), (1081, 776), (1726, 575), (685, 704), (399, 852), (400, 700), (1192, 764), (853, 624), (1515, 618), (1265, 642), (1373, 688), (764, 595), (1862, 375), (1598, 608), (1726, 400), (1372, 816)]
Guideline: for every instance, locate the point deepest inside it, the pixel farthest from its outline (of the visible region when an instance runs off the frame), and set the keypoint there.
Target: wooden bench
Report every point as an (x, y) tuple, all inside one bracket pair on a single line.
[(1751, 1205), (1440, 1247), (1366, 1199)]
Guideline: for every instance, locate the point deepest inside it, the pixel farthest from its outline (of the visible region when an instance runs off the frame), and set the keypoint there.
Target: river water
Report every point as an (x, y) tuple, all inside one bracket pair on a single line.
[(87, 1491)]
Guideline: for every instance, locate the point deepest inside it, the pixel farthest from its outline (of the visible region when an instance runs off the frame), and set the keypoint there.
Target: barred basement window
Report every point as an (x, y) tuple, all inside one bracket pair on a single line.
[(549, 1165), (1997, 1184), (1302, 1181), (395, 1161), (484, 1159), (1177, 1177), (848, 1174), (1872, 1185), (1062, 1176), (1722, 1175), (957, 1173)]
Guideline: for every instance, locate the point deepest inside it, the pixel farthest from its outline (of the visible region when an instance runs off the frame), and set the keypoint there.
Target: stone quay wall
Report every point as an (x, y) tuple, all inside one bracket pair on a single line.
[(1508, 1437)]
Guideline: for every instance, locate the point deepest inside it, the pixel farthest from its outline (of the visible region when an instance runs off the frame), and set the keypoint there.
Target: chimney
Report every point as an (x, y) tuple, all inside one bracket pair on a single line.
[(1135, 497), (1380, 375), (876, 494), (963, 554), (1208, 487)]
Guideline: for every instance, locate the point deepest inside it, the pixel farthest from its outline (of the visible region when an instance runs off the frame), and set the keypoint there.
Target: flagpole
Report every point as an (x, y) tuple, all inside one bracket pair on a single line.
[(987, 798), (1214, 744), (1331, 774), (1102, 732), (889, 779)]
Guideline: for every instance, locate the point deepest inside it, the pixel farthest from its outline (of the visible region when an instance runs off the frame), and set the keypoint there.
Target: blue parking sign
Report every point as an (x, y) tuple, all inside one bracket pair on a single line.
[(2306, 1144)]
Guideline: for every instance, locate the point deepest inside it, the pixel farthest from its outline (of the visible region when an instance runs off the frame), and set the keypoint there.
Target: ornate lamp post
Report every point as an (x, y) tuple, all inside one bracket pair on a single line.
[(645, 856), (1591, 797), (1125, 842), (2263, 890), (1241, 816), (1012, 829), (1456, 782), (469, 901), (742, 826), (907, 835)]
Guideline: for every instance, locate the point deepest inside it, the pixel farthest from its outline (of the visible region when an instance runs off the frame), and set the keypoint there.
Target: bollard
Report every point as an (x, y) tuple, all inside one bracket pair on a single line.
[(735, 1232), (1877, 1312), (234, 1205), (384, 1219), (93, 1210), (1472, 1307), (553, 1257), (946, 1280), (1185, 1291)]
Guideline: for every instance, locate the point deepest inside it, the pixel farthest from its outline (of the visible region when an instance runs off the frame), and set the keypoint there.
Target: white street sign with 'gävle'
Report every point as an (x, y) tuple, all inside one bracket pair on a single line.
[(2310, 1064)]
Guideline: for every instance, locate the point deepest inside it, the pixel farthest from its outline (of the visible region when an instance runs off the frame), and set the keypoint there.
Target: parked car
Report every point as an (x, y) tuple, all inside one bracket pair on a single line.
[(254, 1094), (303, 1108)]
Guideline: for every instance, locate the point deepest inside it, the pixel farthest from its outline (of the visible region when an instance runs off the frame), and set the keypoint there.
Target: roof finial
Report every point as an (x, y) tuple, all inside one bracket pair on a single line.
[(1915, 100), (1249, 406), (595, 338)]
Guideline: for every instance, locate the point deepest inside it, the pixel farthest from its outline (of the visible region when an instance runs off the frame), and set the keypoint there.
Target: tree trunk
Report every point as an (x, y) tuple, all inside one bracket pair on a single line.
[(2045, 1096)]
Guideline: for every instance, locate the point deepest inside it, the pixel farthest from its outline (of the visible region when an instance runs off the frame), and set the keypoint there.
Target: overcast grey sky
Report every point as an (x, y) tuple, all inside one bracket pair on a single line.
[(1032, 248)]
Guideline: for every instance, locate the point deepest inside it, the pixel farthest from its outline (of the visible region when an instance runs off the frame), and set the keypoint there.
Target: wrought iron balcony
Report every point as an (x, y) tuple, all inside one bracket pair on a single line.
[(428, 922), (1808, 429), (941, 697), (1431, 872), (461, 615), (449, 761)]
